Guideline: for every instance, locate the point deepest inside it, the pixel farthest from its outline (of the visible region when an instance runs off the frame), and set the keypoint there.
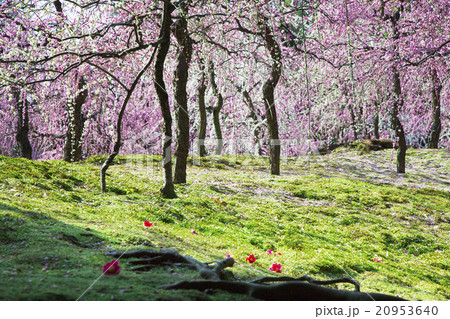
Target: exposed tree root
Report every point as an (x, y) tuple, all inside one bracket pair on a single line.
[(216, 277), (287, 291), (310, 280), (170, 257)]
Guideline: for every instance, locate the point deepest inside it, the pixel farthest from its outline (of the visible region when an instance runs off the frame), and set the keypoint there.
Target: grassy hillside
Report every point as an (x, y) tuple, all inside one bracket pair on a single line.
[(328, 216)]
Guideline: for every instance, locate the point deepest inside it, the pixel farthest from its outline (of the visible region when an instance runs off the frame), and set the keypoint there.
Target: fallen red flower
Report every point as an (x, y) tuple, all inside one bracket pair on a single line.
[(276, 268), (148, 224), (251, 258), (112, 268)]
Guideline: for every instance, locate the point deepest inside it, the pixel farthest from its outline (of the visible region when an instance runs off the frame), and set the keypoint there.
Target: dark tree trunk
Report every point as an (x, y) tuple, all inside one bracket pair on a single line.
[(118, 142), (397, 125), (22, 139), (376, 126), (72, 147), (216, 110), (164, 37), (398, 101), (269, 101), (256, 121), (181, 108), (436, 111), (351, 110), (202, 111)]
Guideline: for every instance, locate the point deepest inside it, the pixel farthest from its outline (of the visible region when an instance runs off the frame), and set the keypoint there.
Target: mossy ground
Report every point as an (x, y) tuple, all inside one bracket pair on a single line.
[(328, 216)]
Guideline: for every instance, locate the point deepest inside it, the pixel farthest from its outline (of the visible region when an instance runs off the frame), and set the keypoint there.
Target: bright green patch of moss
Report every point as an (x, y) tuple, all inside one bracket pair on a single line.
[(56, 225)]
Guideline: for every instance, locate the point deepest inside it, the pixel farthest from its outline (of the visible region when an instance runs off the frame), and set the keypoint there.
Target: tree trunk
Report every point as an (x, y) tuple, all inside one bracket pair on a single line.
[(376, 126), (22, 139), (202, 111), (181, 108), (398, 101), (218, 129), (352, 78), (256, 121), (269, 102), (118, 142), (349, 105), (216, 110), (72, 147), (397, 125), (436, 111), (164, 36)]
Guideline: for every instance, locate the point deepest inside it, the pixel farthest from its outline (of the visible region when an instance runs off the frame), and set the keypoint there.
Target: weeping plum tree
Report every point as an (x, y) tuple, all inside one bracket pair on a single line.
[(390, 53), (268, 88)]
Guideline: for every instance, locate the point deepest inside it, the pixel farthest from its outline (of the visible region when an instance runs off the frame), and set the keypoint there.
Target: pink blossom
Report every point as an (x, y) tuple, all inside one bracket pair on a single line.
[(377, 260), (269, 252), (194, 232), (148, 224)]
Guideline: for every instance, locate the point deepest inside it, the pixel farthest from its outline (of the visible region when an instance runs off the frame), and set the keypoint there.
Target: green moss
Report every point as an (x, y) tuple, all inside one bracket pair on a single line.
[(56, 226)]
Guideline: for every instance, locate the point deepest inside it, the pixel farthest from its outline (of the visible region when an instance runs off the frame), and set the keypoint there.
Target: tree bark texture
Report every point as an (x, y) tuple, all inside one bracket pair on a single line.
[(22, 139), (202, 110), (398, 101), (73, 143), (436, 126), (397, 125), (269, 101), (216, 109), (256, 121), (376, 126), (180, 32), (167, 190)]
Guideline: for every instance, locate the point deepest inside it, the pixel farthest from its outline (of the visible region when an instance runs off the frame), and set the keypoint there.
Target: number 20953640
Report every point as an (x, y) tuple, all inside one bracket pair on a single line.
[(406, 310)]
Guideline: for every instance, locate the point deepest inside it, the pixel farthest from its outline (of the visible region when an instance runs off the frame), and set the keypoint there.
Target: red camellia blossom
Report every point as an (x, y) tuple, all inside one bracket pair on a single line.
[(270, 252), (148, 224), (251, 258), (112, 268), (276, 268), (228, 255)]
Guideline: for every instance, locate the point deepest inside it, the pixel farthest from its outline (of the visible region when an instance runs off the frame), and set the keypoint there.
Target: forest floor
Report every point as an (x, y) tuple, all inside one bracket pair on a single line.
[(341, 215)]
